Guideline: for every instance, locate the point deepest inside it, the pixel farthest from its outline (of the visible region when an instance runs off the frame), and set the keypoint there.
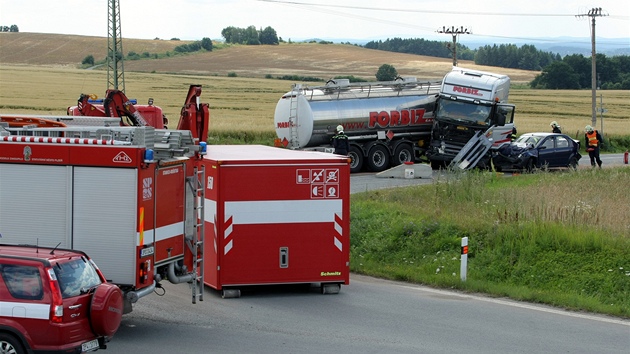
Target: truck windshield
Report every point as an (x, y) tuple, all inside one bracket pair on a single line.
[(463, 111)]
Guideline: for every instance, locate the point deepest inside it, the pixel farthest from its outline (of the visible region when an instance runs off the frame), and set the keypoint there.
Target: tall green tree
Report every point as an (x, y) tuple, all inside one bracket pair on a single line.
[(233, 34), (268, 36), (206, 43), (250, 36)]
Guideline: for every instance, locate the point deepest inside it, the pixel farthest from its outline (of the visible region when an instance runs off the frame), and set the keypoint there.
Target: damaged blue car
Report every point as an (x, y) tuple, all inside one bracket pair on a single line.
[(533, 151)]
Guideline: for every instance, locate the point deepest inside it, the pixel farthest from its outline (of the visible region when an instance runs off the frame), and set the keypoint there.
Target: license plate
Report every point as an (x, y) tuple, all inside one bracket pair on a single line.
[(89, 346)]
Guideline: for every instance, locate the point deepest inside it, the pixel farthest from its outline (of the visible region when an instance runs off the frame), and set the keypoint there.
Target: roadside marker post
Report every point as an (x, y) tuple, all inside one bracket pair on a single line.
[(464, 263)]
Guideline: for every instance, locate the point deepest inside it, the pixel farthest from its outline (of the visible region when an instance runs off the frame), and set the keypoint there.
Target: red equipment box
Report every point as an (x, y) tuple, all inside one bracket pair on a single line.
[(275, 216)]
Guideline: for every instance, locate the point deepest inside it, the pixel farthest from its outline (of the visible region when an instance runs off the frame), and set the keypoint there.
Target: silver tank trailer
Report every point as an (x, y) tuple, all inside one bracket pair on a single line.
[(402, 107)]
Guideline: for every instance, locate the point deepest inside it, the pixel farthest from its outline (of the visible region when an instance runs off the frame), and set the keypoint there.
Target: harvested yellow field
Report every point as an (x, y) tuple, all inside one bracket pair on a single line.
[(40, 74)]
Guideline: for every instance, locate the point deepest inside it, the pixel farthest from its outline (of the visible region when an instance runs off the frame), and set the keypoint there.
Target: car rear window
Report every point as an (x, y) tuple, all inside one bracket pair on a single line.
[(23, 282), (76, 276)]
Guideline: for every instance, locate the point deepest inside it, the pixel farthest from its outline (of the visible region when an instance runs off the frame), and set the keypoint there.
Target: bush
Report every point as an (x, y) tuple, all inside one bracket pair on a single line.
[(88, 60), (386, 72)]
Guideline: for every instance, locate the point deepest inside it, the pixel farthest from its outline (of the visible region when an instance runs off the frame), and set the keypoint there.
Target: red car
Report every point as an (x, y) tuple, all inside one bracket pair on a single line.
[(54, 301)]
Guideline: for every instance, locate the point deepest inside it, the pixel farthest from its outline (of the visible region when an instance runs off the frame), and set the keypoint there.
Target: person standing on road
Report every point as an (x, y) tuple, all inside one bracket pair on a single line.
[(555, 127), (340, 142), (593, 143)]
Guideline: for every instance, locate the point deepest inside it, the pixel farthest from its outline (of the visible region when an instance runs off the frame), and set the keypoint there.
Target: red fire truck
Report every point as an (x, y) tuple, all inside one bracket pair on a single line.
[(276, 216), (128, 196)]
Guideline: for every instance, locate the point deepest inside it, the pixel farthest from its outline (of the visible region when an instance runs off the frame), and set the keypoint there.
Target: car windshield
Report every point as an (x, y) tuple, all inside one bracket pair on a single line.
[(76, 276), (463, 111), (526, 140)]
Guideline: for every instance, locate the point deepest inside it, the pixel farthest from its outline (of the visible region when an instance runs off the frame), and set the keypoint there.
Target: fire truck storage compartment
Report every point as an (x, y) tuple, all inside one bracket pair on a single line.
[(85, 208), (276, 216)]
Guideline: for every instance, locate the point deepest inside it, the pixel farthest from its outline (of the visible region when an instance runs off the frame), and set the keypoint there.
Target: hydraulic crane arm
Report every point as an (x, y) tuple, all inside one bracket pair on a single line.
[(87, 109), (117, 105), (195, 116)]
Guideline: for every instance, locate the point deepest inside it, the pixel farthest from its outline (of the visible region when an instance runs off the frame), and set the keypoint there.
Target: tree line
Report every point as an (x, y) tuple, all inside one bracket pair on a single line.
[(250, 35), (570, 72), (12, 28)]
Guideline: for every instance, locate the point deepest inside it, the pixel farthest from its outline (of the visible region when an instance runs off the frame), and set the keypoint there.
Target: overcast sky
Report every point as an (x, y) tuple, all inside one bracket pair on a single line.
[(505, 21)]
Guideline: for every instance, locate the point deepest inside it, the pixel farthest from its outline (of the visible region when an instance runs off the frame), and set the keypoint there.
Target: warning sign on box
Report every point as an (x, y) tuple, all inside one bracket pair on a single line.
[(324, 183), (317, 191)]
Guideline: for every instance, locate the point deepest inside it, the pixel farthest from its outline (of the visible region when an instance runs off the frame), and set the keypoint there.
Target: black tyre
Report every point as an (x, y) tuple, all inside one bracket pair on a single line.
[(357, 159), (10, 344), (402, 154), (378, 158), (573, 164), (530, 166)]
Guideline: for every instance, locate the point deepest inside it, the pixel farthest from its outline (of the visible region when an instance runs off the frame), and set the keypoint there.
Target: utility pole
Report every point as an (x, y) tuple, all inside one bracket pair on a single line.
[(454, 32), (592, 13), (115, 67)]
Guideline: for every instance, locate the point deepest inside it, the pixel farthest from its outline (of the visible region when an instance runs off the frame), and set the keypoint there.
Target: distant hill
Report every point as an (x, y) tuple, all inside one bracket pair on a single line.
[(304, 59), (557, 45), (62, 49)]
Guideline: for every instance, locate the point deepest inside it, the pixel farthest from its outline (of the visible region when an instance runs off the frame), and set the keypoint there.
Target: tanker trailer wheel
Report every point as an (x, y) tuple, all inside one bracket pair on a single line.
[(402, 154), (378, 158), (357, 159)]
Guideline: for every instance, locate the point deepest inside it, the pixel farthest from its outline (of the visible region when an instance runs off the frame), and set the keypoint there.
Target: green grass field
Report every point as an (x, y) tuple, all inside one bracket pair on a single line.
[(560, 238)]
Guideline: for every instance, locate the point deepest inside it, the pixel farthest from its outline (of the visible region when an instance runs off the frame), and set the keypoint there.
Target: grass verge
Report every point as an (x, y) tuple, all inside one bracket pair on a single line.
[(526, 241)]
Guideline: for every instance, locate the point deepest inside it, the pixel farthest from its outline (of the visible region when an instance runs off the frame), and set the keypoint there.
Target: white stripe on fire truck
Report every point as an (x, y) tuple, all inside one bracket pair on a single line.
[(276, 211), (338, 226), (283, 211), (227, 248), (24, 310), (228, 227), (338, 244), (162, 233), (34, 139)]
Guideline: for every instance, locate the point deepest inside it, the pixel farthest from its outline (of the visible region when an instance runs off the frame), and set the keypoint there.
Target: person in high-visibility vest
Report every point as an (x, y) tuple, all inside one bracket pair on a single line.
[(593, 143)]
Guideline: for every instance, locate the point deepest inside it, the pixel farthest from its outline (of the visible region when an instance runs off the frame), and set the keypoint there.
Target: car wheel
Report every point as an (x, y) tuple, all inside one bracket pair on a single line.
[(378, 158), (106, 309), (530, 166), (573, 164), (356, 156), (10, 344), (402, 154)]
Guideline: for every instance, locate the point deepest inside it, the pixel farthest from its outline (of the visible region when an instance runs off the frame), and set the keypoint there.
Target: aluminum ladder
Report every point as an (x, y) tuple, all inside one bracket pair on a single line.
[(196, 241), (294, 142)]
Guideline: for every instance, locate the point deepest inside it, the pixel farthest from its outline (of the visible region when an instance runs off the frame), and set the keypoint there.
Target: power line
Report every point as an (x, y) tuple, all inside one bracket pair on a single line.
[(420, 11), (324, 8)]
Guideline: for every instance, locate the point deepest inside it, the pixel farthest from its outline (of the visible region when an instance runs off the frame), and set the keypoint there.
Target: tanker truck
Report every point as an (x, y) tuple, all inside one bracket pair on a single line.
[(470, 103), (388, 123)]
